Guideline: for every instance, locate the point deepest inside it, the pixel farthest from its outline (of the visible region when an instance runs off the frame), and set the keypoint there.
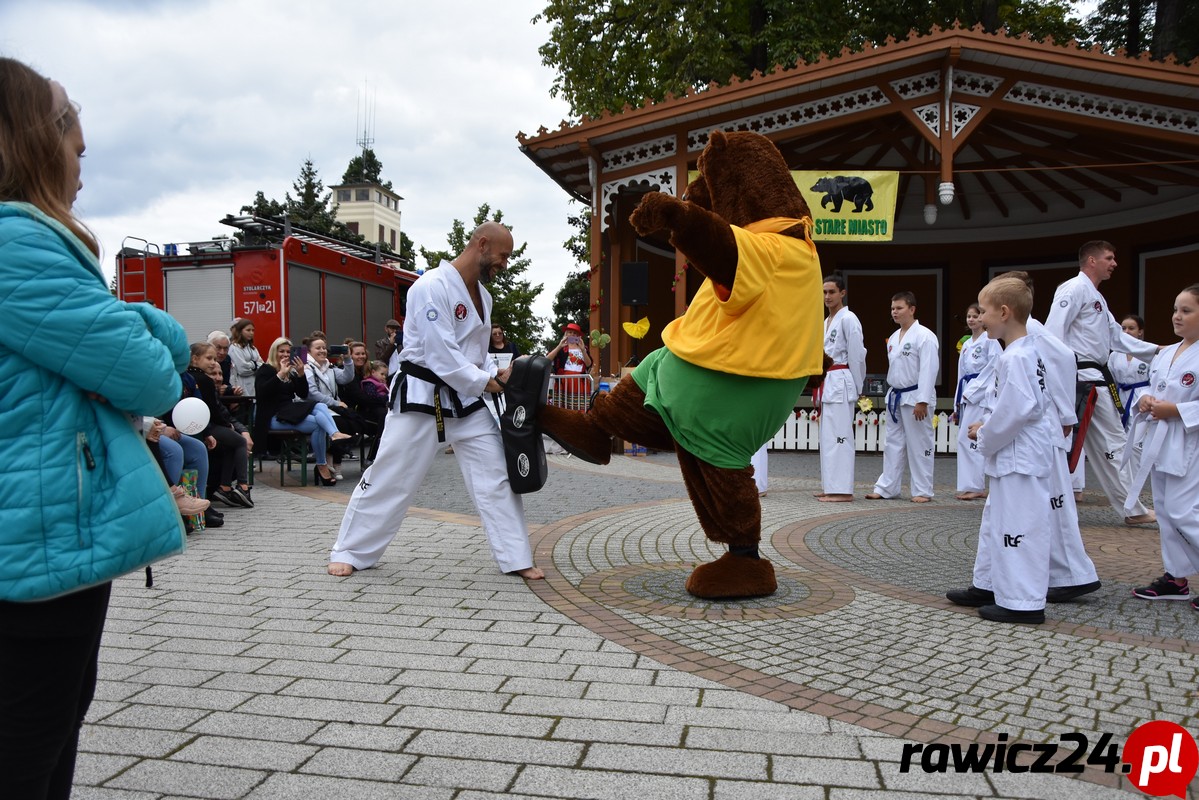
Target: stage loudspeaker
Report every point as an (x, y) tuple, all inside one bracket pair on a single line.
[(634, 283)]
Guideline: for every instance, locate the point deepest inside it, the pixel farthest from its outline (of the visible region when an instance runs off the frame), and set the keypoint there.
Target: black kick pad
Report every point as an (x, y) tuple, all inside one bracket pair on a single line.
[(524, 397)]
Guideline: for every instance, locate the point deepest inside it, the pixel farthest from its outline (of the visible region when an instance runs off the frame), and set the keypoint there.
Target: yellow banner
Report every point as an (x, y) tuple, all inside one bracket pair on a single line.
[(854, 206)]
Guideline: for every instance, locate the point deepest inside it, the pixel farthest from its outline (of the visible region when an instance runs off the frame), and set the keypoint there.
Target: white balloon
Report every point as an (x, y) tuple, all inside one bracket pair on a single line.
[(191, 415)]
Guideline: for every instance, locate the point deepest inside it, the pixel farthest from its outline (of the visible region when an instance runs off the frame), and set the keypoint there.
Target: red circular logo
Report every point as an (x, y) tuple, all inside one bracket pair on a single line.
[(460, 311), (1162, 758), (1187, 378)]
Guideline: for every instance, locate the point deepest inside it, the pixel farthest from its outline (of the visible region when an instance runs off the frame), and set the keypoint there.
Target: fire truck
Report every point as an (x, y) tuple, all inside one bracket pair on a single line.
[(288, 280)]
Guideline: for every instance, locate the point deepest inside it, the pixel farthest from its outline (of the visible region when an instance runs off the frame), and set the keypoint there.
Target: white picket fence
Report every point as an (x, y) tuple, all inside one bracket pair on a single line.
[(869, 433)]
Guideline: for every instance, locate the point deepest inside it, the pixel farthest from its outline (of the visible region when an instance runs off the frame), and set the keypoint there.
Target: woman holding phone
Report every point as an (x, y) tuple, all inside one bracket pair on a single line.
[(283, 404)]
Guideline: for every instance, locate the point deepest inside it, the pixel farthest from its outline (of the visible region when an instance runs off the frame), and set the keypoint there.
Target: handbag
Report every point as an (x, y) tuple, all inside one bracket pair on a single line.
[(295, 412)]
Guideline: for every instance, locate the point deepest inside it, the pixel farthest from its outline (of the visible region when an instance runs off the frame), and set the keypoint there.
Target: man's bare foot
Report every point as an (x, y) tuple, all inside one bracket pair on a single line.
[(818, 495), (1141, 519), (337, 437), (875, 496), (970, 496), (1078, 497), (340, 570), (921, 499), (836, 498), (530, 574)]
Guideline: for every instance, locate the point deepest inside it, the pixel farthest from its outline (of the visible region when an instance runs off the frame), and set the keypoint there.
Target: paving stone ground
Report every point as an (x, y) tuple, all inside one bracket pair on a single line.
[(247, 672)]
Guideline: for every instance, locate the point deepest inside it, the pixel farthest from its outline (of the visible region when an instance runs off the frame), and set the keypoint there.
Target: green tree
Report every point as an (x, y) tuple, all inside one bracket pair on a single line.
[(609, 53), (308, 209), (512, 295), (365, 168), (1164, 27)]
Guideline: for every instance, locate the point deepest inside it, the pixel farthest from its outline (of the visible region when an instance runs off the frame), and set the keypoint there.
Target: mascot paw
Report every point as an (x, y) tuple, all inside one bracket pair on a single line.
[(655, 212), (732, 576), (576, 433)]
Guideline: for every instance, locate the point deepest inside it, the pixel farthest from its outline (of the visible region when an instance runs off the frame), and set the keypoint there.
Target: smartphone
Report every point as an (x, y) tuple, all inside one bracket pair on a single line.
[(339, 349)]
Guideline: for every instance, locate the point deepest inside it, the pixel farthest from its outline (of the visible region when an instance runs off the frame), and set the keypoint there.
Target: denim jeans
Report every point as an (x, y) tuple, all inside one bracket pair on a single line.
[(319, 425), (187, 453)]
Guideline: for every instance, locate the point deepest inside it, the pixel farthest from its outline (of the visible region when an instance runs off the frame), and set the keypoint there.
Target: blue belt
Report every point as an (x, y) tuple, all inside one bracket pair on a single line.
[(1130, 388), (893, 401), (962, 381)]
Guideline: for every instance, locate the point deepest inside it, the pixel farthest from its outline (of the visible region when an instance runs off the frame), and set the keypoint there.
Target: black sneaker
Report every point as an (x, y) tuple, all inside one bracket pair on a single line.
[(1000, 614), (1164, 588), (1064, 594), (224, 497), (973, 597), (241, 496), (213, 519)]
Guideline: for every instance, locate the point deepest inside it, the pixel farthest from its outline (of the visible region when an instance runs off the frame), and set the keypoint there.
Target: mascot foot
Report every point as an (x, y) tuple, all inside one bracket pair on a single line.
[(577, 434), (732, 576)]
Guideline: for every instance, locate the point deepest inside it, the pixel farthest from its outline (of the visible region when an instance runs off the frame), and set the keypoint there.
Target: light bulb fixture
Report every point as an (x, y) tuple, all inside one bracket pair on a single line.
[(945, 192), (930, 214)]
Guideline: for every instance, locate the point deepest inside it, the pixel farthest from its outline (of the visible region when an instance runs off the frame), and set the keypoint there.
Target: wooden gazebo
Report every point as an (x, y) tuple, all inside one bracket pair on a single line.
[(1010, 153)]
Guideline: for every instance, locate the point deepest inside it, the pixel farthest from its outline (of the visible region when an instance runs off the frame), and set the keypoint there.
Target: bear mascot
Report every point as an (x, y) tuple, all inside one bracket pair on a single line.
[(733, 366)]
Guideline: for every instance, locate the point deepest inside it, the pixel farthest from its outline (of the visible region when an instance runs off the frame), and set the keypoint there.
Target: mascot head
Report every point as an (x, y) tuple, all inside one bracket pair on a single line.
[(743, 178)]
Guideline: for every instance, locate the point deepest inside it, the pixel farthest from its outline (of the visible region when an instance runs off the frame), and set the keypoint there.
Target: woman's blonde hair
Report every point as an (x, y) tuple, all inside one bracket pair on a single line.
[(32, 127), (272, 355)]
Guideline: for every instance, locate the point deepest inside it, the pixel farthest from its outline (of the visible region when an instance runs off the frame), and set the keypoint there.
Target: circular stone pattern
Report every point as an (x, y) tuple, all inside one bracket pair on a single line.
[(659, 589)]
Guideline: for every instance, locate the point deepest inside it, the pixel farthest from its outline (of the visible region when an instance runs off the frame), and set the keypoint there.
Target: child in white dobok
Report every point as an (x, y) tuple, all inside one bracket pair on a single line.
[(838, 395), (913, 358), (1017, 442), (1169, 412), (976, 373)]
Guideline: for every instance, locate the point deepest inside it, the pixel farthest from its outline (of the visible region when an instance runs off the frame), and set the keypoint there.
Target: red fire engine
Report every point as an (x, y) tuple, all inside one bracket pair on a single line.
[(289, 281)]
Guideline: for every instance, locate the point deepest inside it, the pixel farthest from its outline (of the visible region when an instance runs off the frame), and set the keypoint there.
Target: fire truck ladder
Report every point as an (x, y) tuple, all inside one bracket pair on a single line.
[(276, 231), (129, 254)]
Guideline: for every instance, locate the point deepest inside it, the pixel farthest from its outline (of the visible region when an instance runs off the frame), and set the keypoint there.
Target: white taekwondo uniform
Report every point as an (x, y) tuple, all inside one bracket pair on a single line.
[(1080, 318), (839, 394), (1170, 458), (1017, 442), (1132, 376), (445, 339), (976, 370), (913, 361), (1069, 564)]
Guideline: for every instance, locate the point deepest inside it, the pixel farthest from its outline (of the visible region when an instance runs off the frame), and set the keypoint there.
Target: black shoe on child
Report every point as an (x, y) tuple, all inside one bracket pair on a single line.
[(1000, 614), (972, 597), (213, 518), (1064, 594)]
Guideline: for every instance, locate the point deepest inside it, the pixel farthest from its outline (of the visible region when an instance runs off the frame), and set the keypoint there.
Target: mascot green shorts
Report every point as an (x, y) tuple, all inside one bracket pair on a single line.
[(720, 418)]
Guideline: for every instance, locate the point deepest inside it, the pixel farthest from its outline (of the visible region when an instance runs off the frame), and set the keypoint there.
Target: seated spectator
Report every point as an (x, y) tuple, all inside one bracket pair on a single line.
[(220, 341), (168, 447), (371, 407), (244, 358), (231, 441), (283, 404), (375, 384), (323, 379)]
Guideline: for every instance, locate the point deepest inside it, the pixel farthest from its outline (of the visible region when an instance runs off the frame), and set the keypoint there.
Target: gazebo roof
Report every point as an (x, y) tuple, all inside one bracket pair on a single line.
[(1036, 137)]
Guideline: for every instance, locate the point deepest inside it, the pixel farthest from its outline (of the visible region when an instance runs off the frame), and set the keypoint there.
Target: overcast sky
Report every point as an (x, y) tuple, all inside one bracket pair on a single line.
[(191, 107)]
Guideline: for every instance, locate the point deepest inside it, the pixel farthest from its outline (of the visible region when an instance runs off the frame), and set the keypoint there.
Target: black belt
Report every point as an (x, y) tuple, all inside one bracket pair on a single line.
[(1113, 387), (400, 388)]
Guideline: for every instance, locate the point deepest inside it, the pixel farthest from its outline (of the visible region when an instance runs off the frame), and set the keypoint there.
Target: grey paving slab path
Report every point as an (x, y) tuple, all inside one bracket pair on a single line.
[(247, 672)]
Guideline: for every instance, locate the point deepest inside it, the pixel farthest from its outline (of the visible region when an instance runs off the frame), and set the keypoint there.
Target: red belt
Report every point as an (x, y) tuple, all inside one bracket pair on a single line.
[(818, 392)]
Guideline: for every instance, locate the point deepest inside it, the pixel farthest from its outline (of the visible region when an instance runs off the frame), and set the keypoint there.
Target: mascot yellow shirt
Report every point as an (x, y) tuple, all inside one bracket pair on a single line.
[(770, 324)]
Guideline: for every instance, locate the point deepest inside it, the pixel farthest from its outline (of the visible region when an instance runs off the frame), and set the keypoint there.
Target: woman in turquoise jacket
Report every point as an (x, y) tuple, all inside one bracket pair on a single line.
[(81, 499)]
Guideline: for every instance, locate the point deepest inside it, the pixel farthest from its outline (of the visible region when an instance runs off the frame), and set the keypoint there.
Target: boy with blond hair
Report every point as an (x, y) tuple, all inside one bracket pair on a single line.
[(1012, 562)]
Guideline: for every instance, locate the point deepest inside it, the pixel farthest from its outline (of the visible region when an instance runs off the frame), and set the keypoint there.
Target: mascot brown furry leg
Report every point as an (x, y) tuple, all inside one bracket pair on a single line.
[(734, 363)]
